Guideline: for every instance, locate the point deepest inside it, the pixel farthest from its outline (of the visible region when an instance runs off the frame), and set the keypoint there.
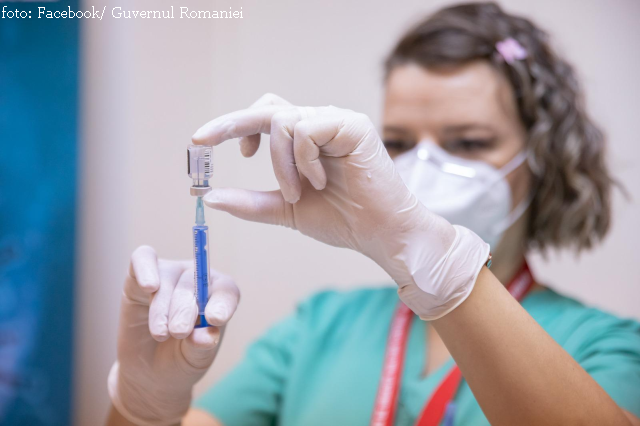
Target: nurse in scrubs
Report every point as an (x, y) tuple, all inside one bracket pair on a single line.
[(486, 151)]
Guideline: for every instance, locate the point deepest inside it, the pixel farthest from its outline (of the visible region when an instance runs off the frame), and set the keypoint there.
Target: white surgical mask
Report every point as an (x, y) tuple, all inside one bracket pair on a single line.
[(465, 192)]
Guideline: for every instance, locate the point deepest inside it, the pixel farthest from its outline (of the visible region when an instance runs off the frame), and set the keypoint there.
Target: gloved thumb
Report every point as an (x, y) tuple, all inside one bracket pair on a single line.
[(200, 348), (265, 207)]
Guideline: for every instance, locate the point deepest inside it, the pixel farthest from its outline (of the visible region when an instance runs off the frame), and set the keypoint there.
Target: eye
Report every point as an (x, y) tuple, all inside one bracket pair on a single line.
[(395, 146), (468, 146)]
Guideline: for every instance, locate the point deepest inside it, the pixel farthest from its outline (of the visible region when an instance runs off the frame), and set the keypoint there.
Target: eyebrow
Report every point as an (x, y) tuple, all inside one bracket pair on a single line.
[(395, 129), (470, 126)]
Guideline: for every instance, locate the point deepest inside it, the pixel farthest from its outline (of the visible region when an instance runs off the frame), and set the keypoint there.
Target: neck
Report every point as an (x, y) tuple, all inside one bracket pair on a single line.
[(506, 263), (509, 255)]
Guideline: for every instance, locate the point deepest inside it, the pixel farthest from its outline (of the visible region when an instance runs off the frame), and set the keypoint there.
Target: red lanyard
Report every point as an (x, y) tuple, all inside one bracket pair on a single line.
[(386, 400)]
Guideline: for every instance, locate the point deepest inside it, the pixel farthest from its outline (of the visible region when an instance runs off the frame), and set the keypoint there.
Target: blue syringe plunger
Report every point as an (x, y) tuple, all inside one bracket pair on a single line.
[(201, 263), (201, 271)]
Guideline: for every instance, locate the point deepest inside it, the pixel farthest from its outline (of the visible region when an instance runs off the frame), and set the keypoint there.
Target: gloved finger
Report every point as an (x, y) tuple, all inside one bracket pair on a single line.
[(200, 348), (335, 134), (237, 124), (264, 207), (307, 152), (270, 99), (144, 268), (170, 273), (284, 163), (223, 299), (183, 309), (249, 144), (134, 293)]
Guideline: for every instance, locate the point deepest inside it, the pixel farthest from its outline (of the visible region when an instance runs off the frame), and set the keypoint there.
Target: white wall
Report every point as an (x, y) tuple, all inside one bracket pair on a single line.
[(149, 84)]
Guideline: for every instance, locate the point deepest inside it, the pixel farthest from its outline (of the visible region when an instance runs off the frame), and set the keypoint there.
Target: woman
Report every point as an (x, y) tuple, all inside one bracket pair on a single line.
[(487, 133)]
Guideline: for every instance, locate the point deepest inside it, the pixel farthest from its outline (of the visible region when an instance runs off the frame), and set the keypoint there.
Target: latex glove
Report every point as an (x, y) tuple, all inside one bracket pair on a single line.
[(160, 355), (339, 186)]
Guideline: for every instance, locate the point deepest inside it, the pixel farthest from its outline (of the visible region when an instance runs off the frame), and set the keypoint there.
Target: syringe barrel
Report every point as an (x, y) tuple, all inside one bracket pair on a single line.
[(201, 271), (200, 168)]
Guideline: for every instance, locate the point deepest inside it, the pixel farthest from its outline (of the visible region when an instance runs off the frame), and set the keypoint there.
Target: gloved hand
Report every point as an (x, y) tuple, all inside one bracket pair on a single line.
[(339, 186), (160, 355)]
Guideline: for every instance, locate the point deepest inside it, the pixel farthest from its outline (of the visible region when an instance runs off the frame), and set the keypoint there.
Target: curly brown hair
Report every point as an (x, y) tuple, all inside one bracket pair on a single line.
[(571, 206)]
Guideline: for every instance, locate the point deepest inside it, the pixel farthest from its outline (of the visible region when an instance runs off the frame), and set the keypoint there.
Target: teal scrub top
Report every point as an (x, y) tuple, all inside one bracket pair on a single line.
[(322, 365)]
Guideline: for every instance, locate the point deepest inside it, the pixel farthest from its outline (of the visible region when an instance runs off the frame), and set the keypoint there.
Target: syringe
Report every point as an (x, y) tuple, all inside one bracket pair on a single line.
[(200, 169), (201, 263)]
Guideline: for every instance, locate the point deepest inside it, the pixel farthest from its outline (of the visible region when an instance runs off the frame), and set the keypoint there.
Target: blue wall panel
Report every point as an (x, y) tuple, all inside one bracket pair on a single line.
[(38, 141)]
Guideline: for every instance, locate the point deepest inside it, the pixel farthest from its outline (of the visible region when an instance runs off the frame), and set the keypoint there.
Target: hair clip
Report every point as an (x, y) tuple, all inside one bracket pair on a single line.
[(510, 50)]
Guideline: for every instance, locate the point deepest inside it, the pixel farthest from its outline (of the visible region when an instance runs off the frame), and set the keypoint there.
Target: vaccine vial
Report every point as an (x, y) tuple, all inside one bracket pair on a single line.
[(200, 168)]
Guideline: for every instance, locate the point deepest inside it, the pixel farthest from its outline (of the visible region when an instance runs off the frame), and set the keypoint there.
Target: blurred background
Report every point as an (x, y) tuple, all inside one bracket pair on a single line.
[(107, 107)]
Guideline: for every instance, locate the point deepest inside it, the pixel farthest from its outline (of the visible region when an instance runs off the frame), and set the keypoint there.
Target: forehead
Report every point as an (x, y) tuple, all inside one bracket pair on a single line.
[(473, 93)]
